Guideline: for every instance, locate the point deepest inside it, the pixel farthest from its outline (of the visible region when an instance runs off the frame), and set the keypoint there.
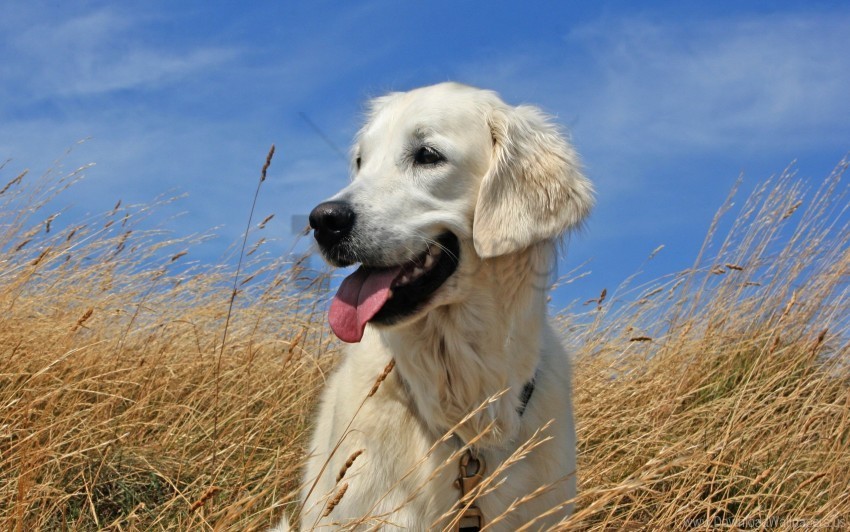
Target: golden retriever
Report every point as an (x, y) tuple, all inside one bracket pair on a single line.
[(457, 203)]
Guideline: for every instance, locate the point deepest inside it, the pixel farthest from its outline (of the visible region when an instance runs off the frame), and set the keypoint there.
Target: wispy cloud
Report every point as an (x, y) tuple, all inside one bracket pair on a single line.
[(724, 83), (98, 52)]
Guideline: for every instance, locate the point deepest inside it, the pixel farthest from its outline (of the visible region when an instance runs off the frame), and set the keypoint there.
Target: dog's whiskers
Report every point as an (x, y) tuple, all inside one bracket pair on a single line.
[(431, 242)]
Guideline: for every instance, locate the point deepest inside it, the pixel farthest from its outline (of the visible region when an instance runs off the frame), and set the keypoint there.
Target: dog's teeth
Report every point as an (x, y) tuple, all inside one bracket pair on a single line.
[(435, 251), (404, 279), (417, 272), (429, 261)]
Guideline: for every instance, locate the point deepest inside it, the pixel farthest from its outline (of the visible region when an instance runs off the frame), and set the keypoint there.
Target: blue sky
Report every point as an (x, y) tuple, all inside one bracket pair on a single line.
[(667, 102)]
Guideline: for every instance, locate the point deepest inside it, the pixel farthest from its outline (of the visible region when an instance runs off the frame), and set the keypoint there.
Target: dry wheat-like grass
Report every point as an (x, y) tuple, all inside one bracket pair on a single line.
[(719, 396), (731, 408), (109, 348)]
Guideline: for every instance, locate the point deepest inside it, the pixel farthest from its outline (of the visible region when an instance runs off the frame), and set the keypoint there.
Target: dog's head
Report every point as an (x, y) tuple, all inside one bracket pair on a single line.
[(442, 176)]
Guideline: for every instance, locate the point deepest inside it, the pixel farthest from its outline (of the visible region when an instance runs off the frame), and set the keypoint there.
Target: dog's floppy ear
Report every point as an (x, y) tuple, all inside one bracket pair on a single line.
[(534, 190)]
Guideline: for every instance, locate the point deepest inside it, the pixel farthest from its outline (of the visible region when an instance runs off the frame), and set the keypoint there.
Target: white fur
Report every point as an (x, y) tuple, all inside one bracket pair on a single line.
[(511, 186)]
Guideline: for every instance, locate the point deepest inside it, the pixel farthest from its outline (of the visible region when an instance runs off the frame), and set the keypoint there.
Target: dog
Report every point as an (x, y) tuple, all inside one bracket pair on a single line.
[(452, 405)]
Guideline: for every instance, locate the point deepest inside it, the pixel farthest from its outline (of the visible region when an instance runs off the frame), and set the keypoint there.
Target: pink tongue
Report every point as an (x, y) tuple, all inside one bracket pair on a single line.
[(360, 296)]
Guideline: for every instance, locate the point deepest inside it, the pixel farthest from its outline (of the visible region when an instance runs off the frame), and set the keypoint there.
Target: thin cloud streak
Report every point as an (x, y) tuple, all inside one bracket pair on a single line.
[(99, 52), (731, 83)]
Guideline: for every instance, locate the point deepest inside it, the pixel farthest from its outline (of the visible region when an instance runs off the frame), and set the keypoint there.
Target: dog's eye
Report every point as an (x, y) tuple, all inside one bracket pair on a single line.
[(427, 155)]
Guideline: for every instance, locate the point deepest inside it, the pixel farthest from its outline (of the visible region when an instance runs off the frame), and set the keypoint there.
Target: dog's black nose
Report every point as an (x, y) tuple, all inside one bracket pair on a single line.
[(332, 221)]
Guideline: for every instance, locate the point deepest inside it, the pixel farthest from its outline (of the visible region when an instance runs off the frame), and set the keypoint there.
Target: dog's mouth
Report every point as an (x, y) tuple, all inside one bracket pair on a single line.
[(385, 295)]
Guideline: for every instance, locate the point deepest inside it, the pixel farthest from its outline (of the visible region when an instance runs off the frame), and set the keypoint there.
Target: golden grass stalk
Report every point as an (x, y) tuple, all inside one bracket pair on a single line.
[(347, 465)]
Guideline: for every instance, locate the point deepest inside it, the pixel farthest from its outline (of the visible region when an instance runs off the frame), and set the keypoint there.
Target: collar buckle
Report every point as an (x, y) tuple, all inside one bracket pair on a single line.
[(471, 475)]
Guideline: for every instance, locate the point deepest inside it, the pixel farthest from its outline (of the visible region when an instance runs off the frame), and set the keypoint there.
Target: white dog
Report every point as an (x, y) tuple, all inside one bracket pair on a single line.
[(456, 206)]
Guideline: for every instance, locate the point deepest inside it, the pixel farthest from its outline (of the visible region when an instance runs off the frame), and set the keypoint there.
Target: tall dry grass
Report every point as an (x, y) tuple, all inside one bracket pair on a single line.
[(119, 408), (719, 395)]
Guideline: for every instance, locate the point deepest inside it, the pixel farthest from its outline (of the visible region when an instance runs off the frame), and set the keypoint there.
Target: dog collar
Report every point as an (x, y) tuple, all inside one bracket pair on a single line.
[(525, 396), (472, 473)]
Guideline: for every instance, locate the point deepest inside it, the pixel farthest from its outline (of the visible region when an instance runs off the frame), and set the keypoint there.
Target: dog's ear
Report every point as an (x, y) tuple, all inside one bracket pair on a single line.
[(534, 190)]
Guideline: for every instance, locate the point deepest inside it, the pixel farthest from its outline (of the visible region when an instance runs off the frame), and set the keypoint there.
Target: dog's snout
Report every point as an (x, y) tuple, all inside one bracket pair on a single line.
[(332, 221)]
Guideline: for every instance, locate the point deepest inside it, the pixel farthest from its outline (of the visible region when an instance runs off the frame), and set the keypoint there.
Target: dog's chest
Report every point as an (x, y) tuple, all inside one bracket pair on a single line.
[(399, 470)]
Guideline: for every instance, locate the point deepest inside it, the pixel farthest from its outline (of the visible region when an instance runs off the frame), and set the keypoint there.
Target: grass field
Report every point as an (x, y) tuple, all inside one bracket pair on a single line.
[(717, 396)]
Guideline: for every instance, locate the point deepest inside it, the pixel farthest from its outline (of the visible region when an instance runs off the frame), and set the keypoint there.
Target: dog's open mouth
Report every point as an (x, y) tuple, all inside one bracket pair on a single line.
[(386, 294)]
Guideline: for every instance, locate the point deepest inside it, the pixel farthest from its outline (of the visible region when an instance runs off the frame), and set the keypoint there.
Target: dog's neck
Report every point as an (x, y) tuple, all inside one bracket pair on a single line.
[(458, 357)]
